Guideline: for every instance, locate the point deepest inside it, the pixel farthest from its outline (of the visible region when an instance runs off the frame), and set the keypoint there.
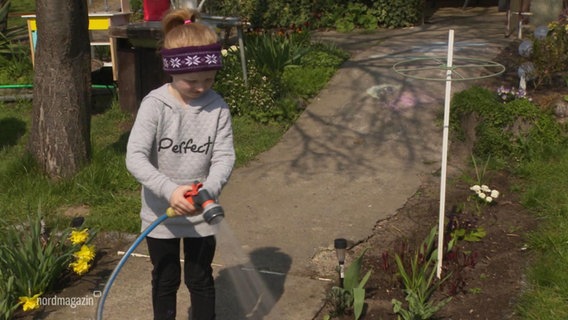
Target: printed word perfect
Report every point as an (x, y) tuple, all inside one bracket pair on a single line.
[(184, 146)]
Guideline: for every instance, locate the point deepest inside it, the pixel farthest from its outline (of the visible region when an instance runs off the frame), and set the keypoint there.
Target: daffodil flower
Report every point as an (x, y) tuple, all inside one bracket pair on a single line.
[(79, 237), (86, 253), (30, 303), (80, 266)]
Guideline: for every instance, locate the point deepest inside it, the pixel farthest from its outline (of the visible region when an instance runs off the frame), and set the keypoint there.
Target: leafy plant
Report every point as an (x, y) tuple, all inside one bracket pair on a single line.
[(420, 282), (550, 54), (357, 15), (32, 259), (474, 235), (508, 132), (272, 52), (398, 13), (7, 296), (352, 294), (276, 91), (258, 95)]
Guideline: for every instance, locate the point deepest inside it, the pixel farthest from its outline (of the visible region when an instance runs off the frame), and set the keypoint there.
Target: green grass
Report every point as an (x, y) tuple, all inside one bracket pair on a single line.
[(22, 6), (252, 138), (544, 193)]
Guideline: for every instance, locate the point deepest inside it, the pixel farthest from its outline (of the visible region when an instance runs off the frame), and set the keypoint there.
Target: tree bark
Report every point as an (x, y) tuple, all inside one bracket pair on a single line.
[(60, 133)]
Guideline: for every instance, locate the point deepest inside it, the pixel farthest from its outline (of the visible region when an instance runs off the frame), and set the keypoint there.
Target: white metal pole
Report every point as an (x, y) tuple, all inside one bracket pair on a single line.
[(445, 153)]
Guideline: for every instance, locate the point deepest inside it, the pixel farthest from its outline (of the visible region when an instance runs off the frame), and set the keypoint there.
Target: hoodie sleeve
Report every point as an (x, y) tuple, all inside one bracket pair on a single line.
[(223, 158), (139, 151)]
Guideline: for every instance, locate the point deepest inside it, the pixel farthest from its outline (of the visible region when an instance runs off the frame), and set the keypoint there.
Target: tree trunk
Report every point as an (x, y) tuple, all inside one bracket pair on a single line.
[(60, 133)]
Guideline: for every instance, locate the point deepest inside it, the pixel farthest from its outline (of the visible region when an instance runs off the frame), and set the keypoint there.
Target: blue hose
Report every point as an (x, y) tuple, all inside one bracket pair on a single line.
[(122, 261)]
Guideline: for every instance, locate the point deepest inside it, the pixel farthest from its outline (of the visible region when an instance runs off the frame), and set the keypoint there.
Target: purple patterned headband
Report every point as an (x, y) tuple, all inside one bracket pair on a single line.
[(192, 59)]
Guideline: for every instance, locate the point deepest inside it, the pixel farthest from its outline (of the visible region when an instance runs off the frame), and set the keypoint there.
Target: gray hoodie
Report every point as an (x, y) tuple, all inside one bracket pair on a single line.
[(172, 144)]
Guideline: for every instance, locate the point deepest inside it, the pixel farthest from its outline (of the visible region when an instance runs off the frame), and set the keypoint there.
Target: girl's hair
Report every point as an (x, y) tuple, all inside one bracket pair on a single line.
[(182, 29)]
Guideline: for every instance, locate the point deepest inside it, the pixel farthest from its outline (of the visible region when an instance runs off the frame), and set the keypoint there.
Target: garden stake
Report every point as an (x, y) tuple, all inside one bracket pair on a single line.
[(406, 69)]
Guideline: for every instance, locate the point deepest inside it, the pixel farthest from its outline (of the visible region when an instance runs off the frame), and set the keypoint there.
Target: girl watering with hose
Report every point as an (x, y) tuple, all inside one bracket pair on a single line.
[(182, 134)]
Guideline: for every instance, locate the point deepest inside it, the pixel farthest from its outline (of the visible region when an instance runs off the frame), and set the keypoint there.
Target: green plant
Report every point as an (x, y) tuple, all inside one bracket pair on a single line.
[(272, 52), (244, 99), (357, 15), (509, 133), (33, 258), (473, 235), (14, 56), (7, 296), (398, 13), (420, 282), (550, 54), (352, 294)]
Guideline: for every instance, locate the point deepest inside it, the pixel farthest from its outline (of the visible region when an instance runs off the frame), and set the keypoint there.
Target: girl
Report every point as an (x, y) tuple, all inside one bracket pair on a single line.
[(182, 134)]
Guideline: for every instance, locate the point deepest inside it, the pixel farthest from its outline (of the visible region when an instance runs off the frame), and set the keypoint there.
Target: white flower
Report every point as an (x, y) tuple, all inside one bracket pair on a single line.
[(488, 199), (485, 188), (482, 195), (494, 194), (233, 48), (224, 52), (475, 188)]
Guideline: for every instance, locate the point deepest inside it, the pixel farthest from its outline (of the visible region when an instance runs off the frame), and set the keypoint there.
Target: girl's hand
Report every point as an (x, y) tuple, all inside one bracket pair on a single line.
[(179, 203)]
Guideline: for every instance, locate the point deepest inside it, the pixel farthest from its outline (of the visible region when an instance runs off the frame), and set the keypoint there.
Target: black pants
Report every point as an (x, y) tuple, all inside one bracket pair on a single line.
[(198, 276)]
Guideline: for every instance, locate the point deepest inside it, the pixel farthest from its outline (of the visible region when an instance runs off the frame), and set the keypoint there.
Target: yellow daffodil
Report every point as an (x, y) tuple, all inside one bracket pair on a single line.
[(79, 237), (86, 253), (30, 303), (80, 266)]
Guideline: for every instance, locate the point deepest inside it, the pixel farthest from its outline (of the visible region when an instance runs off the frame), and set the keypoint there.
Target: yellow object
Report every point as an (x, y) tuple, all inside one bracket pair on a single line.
[(86, 253), (97, 22), (80, 267), (30, 303), (79, 237), (170, 212)]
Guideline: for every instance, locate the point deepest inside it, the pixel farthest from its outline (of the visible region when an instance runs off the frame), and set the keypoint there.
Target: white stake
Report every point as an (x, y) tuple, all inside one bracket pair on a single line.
[(445, 154)]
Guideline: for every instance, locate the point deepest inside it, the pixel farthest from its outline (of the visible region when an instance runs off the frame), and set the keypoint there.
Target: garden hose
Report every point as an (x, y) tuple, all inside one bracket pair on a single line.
[(122, 261)]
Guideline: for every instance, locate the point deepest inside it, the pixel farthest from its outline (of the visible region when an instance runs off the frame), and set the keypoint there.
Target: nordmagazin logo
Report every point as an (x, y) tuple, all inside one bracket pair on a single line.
[(72, 302)]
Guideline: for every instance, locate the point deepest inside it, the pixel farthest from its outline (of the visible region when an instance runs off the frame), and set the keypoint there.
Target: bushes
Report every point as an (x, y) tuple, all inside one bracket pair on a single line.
[(309, 14), (505, 131), (548, 53), (283, 69)]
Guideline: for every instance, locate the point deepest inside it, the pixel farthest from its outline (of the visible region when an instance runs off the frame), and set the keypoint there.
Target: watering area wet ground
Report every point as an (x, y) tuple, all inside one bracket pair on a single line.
[(358, 152)]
